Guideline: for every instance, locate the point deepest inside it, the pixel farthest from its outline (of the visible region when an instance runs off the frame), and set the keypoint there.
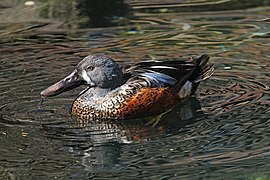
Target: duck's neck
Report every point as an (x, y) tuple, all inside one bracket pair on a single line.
[(95, 92), (99, 92)]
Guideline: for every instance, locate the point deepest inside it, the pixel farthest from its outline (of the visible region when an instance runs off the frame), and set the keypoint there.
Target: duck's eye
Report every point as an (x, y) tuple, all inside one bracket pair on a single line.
[(90, 68)]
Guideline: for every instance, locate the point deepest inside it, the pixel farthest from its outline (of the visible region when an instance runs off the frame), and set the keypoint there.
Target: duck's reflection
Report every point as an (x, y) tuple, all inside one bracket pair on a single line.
[(108, 136), (101, 158)]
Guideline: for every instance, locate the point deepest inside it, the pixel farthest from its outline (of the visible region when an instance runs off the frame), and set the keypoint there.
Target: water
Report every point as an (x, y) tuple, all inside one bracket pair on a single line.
[(221, 134)]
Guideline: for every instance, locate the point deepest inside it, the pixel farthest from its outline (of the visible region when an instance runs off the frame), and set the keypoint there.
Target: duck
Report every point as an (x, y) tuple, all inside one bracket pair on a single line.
[(132, 91)]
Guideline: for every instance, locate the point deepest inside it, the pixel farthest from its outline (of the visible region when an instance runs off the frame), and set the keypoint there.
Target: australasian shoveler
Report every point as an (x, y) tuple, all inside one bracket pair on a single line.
[(142, 89)]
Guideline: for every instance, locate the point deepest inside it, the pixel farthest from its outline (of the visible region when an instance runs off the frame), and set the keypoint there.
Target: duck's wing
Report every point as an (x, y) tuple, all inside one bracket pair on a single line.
[(174, 74)]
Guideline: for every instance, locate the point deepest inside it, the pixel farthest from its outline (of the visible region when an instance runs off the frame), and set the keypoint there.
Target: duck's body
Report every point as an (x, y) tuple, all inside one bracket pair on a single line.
[(128, 101), (142, 89)]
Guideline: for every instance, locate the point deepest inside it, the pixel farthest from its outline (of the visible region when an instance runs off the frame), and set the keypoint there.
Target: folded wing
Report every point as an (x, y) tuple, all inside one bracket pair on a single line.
[(177, 74)]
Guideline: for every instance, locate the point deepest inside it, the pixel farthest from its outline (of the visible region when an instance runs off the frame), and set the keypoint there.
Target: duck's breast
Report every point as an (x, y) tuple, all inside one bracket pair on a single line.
[(128, 101)]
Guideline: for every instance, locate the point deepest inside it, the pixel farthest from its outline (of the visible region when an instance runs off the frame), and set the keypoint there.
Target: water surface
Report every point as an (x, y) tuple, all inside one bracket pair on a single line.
[(222, 133)]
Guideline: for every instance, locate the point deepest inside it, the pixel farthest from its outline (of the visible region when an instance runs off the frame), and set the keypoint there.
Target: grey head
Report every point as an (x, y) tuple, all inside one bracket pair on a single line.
[(99, 70), (96, 71)]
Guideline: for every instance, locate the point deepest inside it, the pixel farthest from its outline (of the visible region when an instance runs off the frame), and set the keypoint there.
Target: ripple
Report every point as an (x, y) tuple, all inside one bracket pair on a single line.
[(221, 133), (235, 94)]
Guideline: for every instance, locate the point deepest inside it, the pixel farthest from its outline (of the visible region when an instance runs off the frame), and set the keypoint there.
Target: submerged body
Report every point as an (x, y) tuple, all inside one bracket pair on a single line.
[(145, 88)]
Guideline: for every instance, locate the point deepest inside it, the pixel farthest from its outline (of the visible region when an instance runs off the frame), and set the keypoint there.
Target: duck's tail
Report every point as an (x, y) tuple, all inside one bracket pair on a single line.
[(190, 82), (203, 70)]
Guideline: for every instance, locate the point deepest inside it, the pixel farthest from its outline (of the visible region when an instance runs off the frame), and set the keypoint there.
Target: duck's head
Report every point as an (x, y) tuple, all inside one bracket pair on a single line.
[(97, 70)]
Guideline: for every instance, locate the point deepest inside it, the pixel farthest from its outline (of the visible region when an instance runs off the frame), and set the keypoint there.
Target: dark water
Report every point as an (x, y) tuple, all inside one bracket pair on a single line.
[(222, 134)]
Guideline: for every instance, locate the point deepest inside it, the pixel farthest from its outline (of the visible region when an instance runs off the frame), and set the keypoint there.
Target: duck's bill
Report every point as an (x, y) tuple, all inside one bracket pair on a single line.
[(70, 82)]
